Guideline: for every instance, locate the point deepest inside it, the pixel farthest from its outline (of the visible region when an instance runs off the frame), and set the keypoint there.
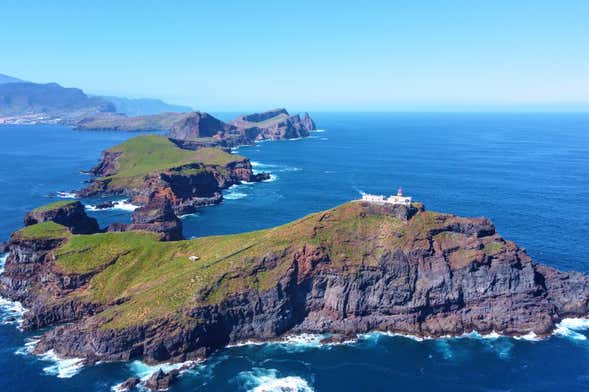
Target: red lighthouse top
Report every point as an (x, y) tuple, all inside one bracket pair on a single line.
[(400, 192)]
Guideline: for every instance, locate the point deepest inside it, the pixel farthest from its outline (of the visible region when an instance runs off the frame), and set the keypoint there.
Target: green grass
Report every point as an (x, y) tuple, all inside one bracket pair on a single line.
[(158, 279), (45, 230), (148, 154), (55, 205), (269, 122)]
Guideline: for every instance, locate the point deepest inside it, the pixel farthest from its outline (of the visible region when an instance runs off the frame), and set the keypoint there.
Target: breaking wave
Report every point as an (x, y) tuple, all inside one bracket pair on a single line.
[(67, 195), (272, 178), (234, 195), (11, 312), (123, 205), (570, 327), (144, 371), (61, 368), (268, 380)]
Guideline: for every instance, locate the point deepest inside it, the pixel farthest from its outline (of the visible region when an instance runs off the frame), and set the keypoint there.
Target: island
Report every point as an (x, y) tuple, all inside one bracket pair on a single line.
[(197, 129), (151, 167), (359, 267)]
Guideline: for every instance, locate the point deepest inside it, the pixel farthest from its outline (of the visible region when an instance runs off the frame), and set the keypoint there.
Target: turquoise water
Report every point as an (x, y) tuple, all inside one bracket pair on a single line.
[(527, 172)]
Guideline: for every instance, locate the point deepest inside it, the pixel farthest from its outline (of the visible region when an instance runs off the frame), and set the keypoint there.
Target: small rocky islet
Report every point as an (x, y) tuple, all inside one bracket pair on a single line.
[(139, 290)]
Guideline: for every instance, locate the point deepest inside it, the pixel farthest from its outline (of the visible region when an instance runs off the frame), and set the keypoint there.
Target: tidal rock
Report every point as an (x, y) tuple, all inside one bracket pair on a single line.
[(161, 381), (129, 384), (104, 205)]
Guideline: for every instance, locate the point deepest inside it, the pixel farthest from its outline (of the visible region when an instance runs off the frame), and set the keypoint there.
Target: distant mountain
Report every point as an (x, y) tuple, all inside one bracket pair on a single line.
[(144, 106), (9, 79), (48, 101)]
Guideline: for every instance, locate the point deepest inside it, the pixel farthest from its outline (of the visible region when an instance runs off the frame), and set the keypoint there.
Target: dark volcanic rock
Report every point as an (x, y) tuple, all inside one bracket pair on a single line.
[(157, 216), (161, 381), (198, 125), (71, 215), (104, 205), (130, 384)]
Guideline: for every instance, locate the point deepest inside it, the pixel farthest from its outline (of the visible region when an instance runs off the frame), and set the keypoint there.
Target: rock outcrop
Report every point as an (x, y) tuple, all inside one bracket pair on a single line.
[(67, 213), (356, 268), (156, 216)]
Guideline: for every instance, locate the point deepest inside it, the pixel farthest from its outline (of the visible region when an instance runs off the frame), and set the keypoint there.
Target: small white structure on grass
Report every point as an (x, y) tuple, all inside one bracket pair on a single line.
[(398, 199)]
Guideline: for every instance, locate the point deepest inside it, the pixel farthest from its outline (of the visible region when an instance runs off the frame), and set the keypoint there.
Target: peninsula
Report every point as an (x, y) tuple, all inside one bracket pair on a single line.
[(362, 266), (152, 166)]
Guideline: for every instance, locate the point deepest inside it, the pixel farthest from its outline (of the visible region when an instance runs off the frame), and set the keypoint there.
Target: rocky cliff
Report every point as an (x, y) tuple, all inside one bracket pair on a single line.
[(356, 268), (192, 129), (67, 213), (149, 166)]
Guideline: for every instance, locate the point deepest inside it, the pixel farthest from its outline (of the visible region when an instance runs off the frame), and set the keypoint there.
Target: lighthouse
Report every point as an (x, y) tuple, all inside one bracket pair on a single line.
[(398, 199)]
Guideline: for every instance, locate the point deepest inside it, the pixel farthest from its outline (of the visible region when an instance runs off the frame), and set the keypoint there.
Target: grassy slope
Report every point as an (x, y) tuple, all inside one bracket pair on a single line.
[(156, 122), (55, 205), (45, 230), (267, 123), (159, 278), (147, 154)]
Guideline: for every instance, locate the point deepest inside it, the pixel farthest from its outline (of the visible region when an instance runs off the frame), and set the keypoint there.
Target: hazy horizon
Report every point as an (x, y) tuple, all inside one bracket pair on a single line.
[(396, 56)]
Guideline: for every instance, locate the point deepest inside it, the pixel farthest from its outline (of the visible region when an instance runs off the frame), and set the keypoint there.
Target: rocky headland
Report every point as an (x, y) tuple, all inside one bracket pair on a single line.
[(360, 267), (197, 129), (153, 167)]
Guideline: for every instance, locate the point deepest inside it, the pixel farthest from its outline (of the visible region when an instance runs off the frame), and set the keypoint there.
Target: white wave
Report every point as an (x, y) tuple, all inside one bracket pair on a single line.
[(268, 380), (144, 371), (192, 215), (260, 165), (272, 178), (62, 368), (29, 346), (117, 205), (3, 258), (530, 337), (570, 327), (67, 195), (11, 312), (319, 130), (234, 195)]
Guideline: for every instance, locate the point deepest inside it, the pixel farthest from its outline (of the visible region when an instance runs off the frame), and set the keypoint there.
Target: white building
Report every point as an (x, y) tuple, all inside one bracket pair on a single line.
[(398, 199)]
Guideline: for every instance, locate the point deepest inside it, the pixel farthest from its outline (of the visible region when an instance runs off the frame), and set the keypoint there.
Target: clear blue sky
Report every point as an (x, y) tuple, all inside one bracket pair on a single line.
[(335, 55)]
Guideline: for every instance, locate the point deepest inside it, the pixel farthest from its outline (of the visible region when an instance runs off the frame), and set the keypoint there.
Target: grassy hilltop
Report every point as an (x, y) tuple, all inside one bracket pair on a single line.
[(148, 154), (159, 278)]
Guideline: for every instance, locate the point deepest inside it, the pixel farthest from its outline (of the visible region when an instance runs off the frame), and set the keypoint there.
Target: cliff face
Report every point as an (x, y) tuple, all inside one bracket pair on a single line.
[(67, 213), (197, 129), (356, 268), (147, 166), (275, 124)]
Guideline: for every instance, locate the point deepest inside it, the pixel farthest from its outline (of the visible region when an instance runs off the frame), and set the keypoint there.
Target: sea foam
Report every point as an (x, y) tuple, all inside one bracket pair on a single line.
[(67, 195), (123, 205), (11, 312), (570, 327), (61, 368), (268, 380)]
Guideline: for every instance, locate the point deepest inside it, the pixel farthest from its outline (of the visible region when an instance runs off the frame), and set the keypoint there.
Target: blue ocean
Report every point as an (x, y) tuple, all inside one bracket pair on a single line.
[(529, 173)]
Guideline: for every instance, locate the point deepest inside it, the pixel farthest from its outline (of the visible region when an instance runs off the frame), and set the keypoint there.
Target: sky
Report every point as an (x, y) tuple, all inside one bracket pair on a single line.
[(309, 55)]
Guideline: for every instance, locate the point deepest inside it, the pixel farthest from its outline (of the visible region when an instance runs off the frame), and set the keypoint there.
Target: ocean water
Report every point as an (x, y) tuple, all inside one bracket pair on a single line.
[(529, 173)]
